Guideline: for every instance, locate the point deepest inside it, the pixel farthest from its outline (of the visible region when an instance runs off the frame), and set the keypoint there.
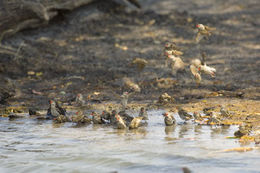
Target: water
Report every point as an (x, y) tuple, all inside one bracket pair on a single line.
[(39, 146)]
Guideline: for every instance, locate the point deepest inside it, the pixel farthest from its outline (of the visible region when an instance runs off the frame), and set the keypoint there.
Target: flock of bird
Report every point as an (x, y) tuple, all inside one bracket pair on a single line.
[(197, 66), (121, 119)]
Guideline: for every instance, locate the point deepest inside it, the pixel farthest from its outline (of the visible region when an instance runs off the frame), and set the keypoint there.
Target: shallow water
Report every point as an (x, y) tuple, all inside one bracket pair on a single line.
[(39, 146)]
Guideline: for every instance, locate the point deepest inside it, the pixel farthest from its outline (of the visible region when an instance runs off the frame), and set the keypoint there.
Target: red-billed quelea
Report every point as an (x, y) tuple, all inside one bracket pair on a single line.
[(135, 123), (169, 120), (194, 68), (183, 114), (143, 113), (171, 49), (176, 63), (120, 122), (55, 110), (203, 31), (80, 100), (96, 118)]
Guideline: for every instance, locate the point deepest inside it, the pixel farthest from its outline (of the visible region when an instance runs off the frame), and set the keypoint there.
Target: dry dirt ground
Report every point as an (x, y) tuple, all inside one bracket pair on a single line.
[(89, 51)]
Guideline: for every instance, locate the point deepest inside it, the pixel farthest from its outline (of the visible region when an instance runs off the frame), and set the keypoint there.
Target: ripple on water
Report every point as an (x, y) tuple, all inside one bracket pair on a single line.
[(31, 146)]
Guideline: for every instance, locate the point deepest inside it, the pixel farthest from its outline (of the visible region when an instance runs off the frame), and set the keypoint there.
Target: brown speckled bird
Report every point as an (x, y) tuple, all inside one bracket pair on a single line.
[(169, 120), (203, 32)]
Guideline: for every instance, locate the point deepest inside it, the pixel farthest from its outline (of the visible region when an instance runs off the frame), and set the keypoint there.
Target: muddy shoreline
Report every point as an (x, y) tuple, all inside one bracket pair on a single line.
[(89, 50)]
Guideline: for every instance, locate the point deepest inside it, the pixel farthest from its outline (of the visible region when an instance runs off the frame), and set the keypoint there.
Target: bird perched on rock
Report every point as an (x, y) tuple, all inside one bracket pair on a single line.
[(96, 118), (80, 100), (203, 31), (183, 114), (140, 63), (55, 110), (143, 113), (120, 123), (135, 123), (169, 120)]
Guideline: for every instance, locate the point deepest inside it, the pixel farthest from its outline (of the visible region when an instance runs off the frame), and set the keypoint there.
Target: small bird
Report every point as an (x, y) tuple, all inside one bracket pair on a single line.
[(80, 100), (80, 118), (195, 72), (140, 63), (225, 113), (171, 46), (176, 64), (120, 122), (96, 118), (207, 70), (112, 117), (169, 120), (183, 114), (33, 112), (127, 118), (203, 32), (207, 111), (55, 110), (197, 116), (135, 123), (124, 100), (105, 115), (61, 119), (143, 113)]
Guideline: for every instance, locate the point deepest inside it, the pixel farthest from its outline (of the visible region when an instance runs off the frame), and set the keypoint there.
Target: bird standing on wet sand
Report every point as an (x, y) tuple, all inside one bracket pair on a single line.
[(143, 113), (55, 110), (135, 123), (203, 32), (197, 116), (224, 113), (169, 120), (112, 117), (96, 118), (80, 118), (120, 122), (127, 118), (183, 114), (80, 100)]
